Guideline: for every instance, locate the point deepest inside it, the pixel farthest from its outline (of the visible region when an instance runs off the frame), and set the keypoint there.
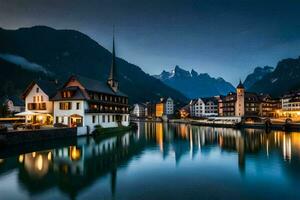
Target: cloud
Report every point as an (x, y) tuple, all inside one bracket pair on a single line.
[(23, 62)]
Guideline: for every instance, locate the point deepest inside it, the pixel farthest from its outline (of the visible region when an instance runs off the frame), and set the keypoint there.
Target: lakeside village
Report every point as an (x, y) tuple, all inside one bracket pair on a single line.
[(78, 107), (83, 106), (236, 109)]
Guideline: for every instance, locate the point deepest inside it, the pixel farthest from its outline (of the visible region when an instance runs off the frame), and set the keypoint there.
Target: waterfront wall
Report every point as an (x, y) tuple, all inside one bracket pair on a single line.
[(20, 137)]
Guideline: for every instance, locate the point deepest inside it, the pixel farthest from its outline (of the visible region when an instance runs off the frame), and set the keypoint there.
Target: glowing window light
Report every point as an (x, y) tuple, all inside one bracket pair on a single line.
[(39, 162), (21, 158), (75, 153), (49, 156)]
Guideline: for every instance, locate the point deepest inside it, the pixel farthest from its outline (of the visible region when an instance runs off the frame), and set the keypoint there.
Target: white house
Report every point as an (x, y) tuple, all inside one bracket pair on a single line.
[(38, 107), (204, 107), (14, 104), (169, 106), (139, 110), (197, 108), (83, 102)]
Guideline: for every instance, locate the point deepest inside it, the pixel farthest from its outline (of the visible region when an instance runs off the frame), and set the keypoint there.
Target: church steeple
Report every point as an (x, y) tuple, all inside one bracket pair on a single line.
[(112, 78)]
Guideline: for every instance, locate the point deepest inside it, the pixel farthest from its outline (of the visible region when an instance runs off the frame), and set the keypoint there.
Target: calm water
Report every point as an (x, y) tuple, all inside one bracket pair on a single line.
[(159, 161)]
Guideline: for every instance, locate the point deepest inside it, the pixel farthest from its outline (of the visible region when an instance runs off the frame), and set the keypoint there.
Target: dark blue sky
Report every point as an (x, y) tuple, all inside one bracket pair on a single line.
[(226, 38)]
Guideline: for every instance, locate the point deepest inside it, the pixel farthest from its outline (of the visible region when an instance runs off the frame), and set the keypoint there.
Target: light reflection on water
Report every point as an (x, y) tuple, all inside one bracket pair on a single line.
[(158, 161)]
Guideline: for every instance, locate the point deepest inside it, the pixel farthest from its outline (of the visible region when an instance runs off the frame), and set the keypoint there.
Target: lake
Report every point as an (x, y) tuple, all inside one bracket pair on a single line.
[(158, 161)]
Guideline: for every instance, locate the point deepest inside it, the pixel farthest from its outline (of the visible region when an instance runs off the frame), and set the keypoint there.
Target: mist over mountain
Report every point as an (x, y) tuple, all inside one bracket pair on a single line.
[(40, 51), (195, 85)]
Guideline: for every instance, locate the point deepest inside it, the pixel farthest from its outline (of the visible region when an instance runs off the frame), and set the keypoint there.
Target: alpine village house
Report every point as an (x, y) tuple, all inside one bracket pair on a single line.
[(80, 102)]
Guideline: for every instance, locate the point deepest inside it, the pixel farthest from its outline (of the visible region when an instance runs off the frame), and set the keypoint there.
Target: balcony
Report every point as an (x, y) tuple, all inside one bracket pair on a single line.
[(36, 106), (106, 111)]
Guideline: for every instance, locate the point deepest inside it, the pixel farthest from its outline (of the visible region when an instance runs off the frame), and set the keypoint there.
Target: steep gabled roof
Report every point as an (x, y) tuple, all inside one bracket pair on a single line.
[(240, 85), (78, 94), (49, 87), (97, 86), (212, 99)]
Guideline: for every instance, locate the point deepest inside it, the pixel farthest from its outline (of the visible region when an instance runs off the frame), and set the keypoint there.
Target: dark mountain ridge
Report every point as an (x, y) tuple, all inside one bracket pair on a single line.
[(194, 85), (66, 52), (256, 75), (284, 78)]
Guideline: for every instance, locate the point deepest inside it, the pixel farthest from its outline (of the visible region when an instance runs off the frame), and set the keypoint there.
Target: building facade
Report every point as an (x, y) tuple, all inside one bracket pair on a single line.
[(138, 110), (38, 106), (14, 104), (240, 100), (84, 102), (204, 107), (290, 104), (244, 103), (164, 107)]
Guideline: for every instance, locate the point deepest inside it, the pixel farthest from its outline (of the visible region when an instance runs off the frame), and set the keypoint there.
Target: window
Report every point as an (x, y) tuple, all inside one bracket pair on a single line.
[(125, 118), (108, 118), (66, 94), (65, 105), (36, 106), (103, 118), (77, 105), (37, 90), (56, 119), (34, 99), (94, 119), (42, 99)]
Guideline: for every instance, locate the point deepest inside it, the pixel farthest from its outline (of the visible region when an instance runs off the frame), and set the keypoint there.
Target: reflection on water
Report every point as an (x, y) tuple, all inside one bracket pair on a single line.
[(155, 160)]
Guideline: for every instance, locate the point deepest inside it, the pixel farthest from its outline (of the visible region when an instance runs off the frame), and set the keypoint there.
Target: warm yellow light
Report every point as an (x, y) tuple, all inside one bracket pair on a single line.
[(21, 158), (33, 154), (49, 156), (75, 153), (39, 162), (40, 117)]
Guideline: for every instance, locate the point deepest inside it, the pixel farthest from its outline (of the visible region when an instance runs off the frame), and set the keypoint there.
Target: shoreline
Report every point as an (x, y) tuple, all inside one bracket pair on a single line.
[(272, 126)]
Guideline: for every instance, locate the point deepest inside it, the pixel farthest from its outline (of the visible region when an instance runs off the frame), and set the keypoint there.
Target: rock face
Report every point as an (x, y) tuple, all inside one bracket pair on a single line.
[(45, 52), (284, 78), (193, 85), (256, 75)]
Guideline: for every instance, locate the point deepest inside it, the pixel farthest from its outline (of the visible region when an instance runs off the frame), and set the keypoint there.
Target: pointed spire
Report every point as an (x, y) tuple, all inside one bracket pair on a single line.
[(112, 73), (240, 85), (112, 78)]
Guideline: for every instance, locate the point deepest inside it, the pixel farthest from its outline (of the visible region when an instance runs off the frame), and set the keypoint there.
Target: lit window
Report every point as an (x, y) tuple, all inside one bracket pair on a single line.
[(65, 105)]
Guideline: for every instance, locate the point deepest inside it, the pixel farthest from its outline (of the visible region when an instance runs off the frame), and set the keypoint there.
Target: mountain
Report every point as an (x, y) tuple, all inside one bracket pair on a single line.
[(194, 85), (284, 78), (45, 51), (256, 75), (14, 78)]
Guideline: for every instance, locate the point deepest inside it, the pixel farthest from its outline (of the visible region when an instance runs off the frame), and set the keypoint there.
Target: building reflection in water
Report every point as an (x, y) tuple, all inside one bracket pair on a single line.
[(74, 168)]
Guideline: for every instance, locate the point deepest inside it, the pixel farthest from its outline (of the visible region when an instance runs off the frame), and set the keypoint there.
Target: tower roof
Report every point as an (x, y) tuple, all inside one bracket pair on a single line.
[(240, 85), (113, 71)]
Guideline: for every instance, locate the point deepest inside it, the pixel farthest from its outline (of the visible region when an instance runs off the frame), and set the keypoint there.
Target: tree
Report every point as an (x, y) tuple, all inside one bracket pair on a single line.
[(4, 110)]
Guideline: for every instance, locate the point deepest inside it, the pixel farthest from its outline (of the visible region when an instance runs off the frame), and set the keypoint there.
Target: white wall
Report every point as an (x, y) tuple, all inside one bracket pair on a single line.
[(66, 113), (169, 107), (88, 120), (32, 93), (198, 109), (138, 110)]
